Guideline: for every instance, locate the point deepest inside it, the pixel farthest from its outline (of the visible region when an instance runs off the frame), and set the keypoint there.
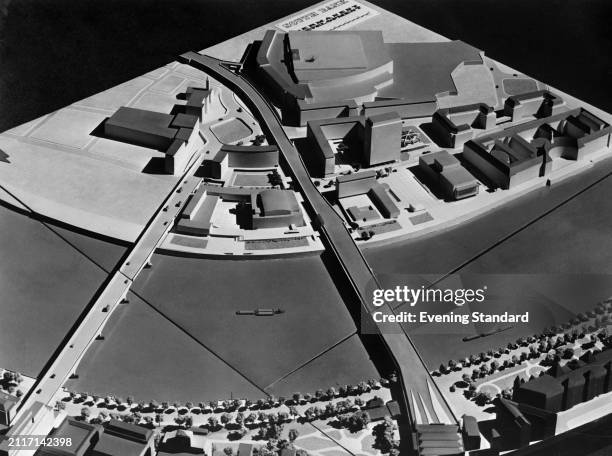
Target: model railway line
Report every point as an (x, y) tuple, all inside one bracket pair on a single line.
[(415, 378)]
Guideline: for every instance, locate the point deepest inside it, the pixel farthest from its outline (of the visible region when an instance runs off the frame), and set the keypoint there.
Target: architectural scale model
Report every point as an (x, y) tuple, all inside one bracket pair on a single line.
[(194, 255)]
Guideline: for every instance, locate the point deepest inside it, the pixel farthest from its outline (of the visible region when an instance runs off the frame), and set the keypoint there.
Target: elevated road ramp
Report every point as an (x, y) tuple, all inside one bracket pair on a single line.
[(422, 400)]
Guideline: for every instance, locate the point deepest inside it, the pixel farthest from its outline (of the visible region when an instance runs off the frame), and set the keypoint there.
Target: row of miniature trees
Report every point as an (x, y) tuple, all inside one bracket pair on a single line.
[(238, 421), (297, 398), (600, 314), (537, 346)]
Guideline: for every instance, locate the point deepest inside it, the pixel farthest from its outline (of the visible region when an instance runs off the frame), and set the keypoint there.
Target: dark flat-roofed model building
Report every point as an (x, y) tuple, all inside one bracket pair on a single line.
[(320, 132), (448, 175), (452, 127), (177, 135), (366, 183), (141, 127), (563, 387), (316, 75), (377, 409), (370, 141), (355, 183), (513, 423), (523, 152), (508, 161), (8, 408), (124, 439), (179, 442), (269, 208), (540, 104), (382, 137), (327, 69), (82, 435), (470, 433), (233, 156), (195, 219), (246, 449), (581, 134)]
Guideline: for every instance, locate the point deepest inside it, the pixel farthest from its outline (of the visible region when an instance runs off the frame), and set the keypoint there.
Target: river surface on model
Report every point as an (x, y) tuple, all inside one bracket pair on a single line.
[(181, 333), (552, 263)]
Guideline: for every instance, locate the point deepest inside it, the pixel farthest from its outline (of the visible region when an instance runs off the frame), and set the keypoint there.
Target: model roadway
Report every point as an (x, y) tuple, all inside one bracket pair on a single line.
[(111, 295), (422, 399)]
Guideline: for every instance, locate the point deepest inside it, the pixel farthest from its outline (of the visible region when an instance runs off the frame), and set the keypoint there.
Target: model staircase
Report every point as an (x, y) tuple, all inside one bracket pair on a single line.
[(439, 440)]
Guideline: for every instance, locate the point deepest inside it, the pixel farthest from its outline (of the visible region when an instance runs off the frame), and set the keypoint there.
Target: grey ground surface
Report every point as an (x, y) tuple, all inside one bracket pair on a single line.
[(182, 334), (47, 277), (148, 357), (204, 303), (546, 253)]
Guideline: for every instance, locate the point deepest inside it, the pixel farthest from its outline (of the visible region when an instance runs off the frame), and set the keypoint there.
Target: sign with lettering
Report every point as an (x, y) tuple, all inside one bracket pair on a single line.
[(333, 15)]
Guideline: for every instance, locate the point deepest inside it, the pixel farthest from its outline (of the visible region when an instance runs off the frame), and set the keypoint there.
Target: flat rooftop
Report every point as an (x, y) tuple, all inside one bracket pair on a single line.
[(316, 51)]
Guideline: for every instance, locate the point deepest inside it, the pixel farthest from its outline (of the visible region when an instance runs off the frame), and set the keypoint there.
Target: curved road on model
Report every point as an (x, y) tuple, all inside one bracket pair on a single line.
[(421, 395)]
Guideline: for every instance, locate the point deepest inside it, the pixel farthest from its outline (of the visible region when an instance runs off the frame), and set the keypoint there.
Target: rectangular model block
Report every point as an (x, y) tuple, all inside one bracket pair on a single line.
[(382, 138)]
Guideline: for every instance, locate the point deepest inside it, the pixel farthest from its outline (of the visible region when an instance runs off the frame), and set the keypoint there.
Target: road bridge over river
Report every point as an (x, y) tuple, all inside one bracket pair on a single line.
[(425, 403)]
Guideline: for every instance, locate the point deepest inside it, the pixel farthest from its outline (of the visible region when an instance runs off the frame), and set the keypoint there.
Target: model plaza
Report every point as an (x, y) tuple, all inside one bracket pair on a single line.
[(305, 264)]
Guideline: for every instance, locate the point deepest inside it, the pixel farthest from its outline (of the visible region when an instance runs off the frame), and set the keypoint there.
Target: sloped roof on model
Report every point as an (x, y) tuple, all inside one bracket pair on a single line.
[(278, 202)]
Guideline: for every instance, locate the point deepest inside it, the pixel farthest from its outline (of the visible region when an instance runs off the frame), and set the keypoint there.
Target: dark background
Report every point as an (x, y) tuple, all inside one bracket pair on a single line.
[(54, 52)]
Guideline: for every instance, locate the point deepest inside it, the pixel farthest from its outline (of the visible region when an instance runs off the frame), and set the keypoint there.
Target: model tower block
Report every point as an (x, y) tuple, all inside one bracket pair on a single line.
[(382, 138)]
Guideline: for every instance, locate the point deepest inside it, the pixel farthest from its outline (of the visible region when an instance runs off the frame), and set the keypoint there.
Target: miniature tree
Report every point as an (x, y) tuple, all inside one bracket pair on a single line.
[(213, 423), (364, 387), (297, 398), (226, 418), (309, 414), (568, 353), (482, 397), (85, 413)]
